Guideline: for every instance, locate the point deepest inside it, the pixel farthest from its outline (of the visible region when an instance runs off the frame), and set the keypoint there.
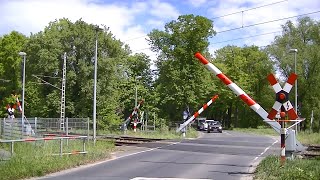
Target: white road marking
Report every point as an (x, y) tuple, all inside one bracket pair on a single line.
[(265, 150), (93, 164), (144, 178)]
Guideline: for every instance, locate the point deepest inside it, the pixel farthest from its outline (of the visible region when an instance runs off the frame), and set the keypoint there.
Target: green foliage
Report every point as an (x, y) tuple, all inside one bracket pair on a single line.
[(305, 37), (270, 169), (248, 67), (308, 138), (28, 160), (10, 67), (181, 82)]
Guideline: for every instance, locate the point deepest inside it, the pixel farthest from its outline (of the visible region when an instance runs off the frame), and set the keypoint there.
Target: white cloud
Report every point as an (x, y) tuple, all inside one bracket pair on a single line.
[(253, 17), (197, 3), (158, 24), (132, 19), (163, 10), (34, 15)]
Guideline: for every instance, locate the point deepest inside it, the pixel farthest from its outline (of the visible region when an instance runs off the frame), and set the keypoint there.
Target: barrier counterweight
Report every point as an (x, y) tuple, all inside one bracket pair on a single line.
[(239, 92), (195, 115)]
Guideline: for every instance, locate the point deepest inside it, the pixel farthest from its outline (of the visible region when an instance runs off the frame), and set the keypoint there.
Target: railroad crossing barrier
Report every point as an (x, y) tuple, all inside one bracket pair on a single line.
[(135, 111), (195, 115), (244, 97), (84, 138)]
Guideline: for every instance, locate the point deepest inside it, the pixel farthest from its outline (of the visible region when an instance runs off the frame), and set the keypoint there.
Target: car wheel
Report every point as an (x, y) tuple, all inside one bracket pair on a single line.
[(220, 131), (208, 131)]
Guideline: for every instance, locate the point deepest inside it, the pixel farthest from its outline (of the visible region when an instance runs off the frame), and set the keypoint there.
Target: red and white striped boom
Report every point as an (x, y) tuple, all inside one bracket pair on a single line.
[(197, 113), (133, 112), (239, 92)]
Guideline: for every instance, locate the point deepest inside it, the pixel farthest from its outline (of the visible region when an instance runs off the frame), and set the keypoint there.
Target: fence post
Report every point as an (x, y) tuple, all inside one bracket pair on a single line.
[(154, 124), (67, 126), (84, 144), (88, 133), (11, 148), (35, 126), (61, 143), (67, 129), (1, 129)]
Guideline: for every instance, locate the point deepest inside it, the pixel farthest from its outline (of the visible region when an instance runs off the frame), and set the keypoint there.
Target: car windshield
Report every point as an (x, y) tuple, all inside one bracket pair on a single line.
[(217, 123), (202, 121)]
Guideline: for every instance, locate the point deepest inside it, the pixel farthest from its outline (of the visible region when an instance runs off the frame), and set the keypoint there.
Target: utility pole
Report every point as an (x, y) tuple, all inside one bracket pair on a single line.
[(63, 93), (95, 87), (295, 51), (23, 87)]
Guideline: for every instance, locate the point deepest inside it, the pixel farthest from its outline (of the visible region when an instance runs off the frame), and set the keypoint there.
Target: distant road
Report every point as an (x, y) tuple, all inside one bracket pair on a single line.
[(227, 156)]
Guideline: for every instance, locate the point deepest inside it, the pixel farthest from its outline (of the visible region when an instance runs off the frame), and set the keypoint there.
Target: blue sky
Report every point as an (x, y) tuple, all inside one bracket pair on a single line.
[(132, 20)]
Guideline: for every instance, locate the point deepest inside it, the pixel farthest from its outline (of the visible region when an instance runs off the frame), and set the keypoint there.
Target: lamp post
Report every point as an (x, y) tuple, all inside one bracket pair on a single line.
[(23, 54), (295, 51), (136, 102), (136, 91), (95, 86)]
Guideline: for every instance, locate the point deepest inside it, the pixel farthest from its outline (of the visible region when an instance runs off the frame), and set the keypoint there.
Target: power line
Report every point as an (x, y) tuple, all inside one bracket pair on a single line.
[(251, 25), (278, 2), (47, 76), (250, 9), (247, 37), (266, 22)]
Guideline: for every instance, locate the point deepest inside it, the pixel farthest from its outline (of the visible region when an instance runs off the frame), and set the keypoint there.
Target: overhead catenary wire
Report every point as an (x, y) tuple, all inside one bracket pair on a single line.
[(245, 10), (266, 22), (251, 25), (246, 37), (278, 2)]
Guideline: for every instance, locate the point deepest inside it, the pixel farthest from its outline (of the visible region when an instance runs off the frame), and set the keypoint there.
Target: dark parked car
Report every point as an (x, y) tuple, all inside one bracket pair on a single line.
[(214, 126)]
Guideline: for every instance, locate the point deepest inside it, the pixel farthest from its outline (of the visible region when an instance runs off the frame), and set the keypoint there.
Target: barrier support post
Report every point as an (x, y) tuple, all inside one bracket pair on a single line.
[(283, 140)]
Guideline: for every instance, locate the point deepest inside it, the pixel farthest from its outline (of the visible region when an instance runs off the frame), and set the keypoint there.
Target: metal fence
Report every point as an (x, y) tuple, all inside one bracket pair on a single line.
[(60, 139), (38, 127)]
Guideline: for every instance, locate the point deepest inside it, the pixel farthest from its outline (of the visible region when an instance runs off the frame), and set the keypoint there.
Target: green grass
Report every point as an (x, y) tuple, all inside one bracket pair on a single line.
[(35, 158), (309, 138), (304, 169), (298, 169), (261, 130), (32, 159)]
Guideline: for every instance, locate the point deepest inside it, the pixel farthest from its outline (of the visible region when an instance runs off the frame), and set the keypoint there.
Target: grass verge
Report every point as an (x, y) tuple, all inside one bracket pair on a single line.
[(261, 130), (36, 159), (32, 159), (269, 169)]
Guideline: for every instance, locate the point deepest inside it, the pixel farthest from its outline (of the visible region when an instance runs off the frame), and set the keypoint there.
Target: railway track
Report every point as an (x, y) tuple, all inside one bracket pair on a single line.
[(128, 140), (312, 151)]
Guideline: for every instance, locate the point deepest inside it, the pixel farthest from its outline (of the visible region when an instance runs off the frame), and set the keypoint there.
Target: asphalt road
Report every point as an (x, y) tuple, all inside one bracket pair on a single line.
[(226, 156)]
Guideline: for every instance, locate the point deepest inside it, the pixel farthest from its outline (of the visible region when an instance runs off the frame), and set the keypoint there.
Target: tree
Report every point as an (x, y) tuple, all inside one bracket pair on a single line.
[(248, 67), (182, 81), (45, 50), (10, 67), (304, 36)]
